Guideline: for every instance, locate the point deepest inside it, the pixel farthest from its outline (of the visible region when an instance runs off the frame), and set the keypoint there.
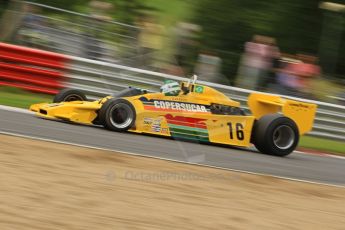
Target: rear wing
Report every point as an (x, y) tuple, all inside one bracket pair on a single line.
[(301, 112)]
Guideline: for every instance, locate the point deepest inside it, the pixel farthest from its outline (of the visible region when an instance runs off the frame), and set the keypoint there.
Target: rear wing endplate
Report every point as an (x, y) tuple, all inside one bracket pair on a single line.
[(301, 112)]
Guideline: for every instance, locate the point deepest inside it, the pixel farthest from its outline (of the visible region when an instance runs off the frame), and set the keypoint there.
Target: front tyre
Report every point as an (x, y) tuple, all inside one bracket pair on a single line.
[(275, 134), (69, 95), (117, 115)]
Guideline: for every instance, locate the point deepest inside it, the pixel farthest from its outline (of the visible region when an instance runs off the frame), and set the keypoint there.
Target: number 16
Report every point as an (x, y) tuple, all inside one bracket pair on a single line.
[(239, 131)]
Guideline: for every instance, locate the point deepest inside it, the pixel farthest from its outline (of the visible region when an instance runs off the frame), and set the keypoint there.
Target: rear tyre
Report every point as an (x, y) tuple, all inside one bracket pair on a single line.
[(275, 134), (117, 115), (69, 95)]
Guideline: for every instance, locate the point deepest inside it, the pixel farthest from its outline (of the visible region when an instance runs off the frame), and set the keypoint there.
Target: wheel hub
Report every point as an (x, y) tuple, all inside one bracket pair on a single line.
[(283, 137), (121, 115)]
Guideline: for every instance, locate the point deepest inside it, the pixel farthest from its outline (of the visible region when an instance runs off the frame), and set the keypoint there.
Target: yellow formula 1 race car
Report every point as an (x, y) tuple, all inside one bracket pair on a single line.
[(192, 112)]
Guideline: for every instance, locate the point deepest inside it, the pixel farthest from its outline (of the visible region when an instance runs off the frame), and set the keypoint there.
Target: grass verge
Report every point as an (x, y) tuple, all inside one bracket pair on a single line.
[(322, 144), (21, 98)]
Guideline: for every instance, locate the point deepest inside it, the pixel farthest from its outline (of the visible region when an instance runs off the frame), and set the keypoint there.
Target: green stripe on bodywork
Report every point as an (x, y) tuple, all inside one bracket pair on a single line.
[(189, 132), (188, 128), (195, 138)]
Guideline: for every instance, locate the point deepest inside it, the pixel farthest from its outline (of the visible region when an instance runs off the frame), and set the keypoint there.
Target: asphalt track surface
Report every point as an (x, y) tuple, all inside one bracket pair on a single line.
[(313, 168)]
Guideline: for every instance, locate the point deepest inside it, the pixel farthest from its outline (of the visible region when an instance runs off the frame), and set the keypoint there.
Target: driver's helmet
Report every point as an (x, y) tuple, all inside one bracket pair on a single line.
[(170, 88)]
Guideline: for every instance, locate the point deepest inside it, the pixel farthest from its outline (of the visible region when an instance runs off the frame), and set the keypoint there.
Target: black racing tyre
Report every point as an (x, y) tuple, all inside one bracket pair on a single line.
[(275, 134), (117, 114), (69, 95)]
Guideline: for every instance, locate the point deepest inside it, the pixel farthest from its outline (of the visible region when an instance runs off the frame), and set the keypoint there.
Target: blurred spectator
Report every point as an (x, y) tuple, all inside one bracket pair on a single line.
[(257, 63), (186, 45), (295, 78), (173, 70), (31, 19), (150, 41), (208, 67), (269, 80), (92, 44), (287, 82), (92, 47), (8, 29), (307, 70), (32, 30), (101, 10)]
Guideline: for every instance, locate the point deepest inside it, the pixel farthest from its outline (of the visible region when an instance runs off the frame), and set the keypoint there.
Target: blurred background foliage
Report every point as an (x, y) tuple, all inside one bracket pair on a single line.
[(126, 11), (3, 5), (298, 26)]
